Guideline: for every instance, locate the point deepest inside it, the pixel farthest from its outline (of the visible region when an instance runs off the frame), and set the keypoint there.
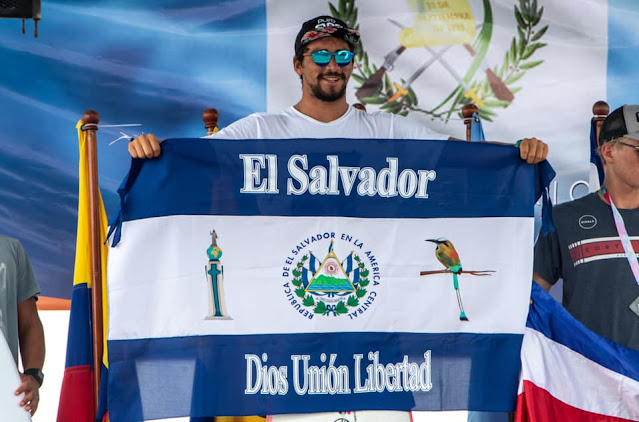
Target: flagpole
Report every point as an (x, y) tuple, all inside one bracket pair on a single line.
[(210, 116), (467, 114), (91, 120), (600, 111)]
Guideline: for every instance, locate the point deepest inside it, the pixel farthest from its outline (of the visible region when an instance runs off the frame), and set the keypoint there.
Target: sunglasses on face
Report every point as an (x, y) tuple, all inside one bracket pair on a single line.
[(323, 57)]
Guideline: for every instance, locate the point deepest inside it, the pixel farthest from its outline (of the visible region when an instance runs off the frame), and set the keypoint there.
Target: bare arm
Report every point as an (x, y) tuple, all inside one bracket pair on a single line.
[(543, 283), (31, 336)]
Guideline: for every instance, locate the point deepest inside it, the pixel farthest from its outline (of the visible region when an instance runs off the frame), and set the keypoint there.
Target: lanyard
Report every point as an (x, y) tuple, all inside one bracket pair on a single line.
[(623, 236)]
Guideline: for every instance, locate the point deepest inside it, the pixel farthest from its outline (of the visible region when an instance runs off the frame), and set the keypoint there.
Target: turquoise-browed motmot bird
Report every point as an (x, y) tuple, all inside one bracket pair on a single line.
[(448, 256)]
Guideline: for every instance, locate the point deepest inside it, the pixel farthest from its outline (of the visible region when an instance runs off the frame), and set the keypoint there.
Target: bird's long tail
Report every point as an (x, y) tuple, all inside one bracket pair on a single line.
[(462, 314)]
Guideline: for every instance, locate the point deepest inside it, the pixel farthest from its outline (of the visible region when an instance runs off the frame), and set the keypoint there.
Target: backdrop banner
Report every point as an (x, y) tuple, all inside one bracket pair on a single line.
[(534, 68)]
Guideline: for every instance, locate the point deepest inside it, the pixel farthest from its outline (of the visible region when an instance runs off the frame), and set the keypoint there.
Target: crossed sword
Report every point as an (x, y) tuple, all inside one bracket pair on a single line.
[(371, 85)]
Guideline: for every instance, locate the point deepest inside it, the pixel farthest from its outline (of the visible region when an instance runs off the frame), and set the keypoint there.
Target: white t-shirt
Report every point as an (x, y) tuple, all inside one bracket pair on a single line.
[(355, 123)]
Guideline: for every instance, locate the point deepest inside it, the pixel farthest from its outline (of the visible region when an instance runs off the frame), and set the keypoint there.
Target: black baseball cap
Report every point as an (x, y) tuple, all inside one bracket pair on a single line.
[(624, 121), (325, 26)]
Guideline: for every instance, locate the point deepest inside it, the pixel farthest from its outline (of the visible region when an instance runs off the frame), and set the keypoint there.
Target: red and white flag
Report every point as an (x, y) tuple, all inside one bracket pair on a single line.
[(570, 373)]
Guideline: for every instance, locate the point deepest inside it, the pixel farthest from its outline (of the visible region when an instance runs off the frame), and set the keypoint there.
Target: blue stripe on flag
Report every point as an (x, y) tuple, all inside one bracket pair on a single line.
[(467, 174), (305, 277), (79, 343), (313, 263), (480, 372), (348, 264), (355, 277)]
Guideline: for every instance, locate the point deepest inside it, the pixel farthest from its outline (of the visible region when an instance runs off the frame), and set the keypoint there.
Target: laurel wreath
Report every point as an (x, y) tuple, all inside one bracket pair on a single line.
[(341, 307), (393, 98)]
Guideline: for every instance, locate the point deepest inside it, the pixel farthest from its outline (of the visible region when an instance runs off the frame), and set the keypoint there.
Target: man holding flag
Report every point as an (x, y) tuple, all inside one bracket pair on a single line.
[(593, 247), (324, 61)]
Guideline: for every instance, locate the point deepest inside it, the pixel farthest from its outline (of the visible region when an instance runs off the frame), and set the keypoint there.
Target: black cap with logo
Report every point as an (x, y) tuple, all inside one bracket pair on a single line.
[(325, 26)]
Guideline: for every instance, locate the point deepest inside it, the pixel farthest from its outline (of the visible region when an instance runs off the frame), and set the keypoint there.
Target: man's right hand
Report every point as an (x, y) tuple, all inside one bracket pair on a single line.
[(145, 146)]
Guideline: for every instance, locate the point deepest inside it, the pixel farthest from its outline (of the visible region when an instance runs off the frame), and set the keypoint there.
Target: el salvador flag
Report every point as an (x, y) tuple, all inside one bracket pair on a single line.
[(392, 338)]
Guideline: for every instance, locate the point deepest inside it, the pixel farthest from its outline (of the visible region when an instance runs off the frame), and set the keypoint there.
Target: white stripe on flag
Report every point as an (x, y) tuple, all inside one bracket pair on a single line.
[(158, 286)]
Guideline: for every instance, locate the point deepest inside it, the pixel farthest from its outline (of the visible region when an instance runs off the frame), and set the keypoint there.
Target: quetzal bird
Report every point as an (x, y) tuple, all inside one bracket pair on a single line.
[(447, 255)]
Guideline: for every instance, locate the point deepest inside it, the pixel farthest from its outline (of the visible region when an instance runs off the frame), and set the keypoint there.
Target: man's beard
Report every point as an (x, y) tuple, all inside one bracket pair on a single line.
[(330, 94)]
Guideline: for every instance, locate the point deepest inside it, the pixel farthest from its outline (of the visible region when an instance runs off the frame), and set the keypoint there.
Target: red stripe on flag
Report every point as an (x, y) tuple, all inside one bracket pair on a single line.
[(77, 384), (537, 405)]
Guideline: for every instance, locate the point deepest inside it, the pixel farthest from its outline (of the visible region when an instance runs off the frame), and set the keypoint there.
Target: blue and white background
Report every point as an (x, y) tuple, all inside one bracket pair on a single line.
[(160, 63)]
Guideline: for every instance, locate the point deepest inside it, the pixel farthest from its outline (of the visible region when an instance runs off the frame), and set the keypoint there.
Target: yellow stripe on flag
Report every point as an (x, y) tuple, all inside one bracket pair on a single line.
[(82, 272)]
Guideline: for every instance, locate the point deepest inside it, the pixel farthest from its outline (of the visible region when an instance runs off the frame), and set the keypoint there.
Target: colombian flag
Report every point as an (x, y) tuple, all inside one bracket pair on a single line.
[(76, 397)]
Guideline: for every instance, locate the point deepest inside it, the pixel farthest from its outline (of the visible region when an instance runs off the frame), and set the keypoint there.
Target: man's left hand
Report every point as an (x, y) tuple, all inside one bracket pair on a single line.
[(533, 150), (31, 390)]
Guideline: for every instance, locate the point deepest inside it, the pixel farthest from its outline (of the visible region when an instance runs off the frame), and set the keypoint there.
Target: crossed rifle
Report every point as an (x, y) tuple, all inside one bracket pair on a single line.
[(372, 84)]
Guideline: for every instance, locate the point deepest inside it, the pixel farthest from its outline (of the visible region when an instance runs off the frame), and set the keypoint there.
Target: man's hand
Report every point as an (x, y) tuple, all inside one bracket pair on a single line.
[(31, 390), (533, 150), (145, 146)]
